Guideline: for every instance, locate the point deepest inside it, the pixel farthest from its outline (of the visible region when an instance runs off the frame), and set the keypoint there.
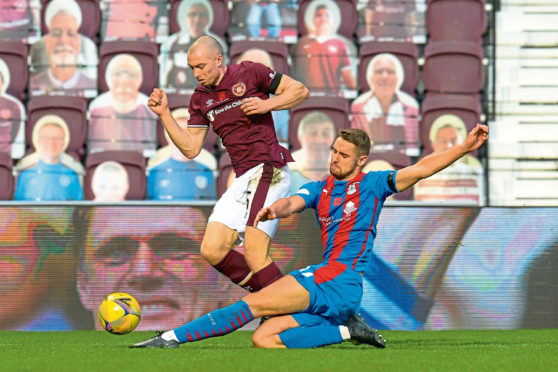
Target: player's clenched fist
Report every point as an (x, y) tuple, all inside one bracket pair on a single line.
[(158, 101)]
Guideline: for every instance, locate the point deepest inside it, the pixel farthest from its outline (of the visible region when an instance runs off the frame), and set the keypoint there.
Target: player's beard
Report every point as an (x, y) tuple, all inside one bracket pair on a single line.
[(338, 173)]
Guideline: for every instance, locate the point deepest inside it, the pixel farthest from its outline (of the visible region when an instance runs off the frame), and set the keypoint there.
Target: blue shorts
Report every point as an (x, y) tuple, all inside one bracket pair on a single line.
[(335, 294)]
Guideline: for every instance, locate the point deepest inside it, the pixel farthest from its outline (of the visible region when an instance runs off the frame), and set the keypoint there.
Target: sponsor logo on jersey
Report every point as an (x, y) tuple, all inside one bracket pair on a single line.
[(209, 102), (272, 74), (352, 188), (239, 89), (212, 114), (349, 208)]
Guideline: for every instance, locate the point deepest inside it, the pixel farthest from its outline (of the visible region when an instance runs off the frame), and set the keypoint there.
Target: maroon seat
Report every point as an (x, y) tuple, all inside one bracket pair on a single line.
[(134, 20), (349, 17), (396, 161), (399, 20), (6, 177), (278, 52), (453, 67), (455, 20), (90, 20), (225, 169), (132, 161), (407, 53), (72, 109), (146, 54), (465, 106), (336, 108), (14, 54), (220, 16)]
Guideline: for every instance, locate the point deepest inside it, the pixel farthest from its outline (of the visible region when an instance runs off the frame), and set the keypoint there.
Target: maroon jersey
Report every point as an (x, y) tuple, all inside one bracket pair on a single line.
[(250, 140)]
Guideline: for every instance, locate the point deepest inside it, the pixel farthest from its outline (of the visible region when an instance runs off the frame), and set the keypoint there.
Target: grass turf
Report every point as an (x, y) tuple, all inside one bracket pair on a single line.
[(510, 350)]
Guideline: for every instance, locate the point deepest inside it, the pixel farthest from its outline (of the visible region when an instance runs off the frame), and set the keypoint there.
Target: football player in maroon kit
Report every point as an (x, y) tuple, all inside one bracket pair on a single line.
[(235, 100)]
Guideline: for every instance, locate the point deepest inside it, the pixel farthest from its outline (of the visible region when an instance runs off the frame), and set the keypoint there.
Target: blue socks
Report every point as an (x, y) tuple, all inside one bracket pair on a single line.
[(217, 323), (308, 337)]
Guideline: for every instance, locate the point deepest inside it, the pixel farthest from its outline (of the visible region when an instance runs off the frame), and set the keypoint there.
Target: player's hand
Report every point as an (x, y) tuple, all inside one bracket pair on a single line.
[(158, 102), (265, 214), (254, 106), (476, 137)]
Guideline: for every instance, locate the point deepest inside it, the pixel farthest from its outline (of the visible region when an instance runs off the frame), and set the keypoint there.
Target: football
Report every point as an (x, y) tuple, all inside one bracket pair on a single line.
[(119, 313)]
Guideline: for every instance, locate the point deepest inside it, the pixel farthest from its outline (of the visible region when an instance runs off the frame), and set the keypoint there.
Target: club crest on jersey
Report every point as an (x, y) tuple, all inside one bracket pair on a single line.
[(239, 89), (352, 188)]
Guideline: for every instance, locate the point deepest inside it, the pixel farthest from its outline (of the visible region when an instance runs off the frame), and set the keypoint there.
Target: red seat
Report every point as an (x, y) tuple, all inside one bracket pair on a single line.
[(336, 108), (347, 10), (278, 52), (407, 53), (220, 15), (90, 20), (134, 20), (72, 109), (132, 161), (467, 107), (146, 54), (6, 177), (453, 67), (384, 21), (14, 54), (455, 20)]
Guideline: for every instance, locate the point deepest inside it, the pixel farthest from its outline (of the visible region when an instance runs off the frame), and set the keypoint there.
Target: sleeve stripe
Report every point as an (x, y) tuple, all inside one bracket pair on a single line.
[(391, 182), (275, 83)]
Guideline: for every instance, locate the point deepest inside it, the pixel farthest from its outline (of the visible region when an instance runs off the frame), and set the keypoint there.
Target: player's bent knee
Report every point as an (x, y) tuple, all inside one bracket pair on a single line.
[(211, 253), (262, 341)]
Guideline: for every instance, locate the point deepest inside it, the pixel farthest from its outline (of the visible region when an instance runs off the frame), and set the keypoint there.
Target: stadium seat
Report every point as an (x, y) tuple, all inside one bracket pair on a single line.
[(348, 22), (453, 67), (225, 170), (220, 16), (17, 22), (90, 21), (132, 161), (400, 20), (465, 106), (336, 108), (14, 54), (72, 109), (145, 52), (407, 53), (379, 161), (455, 20), (134, 20), (6, 177), (278, 52)]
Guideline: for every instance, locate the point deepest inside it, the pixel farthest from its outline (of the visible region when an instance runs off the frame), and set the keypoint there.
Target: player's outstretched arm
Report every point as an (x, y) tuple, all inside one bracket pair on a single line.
[(283, 207), (189, 141), (437, 161)]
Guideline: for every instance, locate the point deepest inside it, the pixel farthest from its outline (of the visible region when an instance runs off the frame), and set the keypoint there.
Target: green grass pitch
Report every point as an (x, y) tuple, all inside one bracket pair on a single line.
[(513, 350)]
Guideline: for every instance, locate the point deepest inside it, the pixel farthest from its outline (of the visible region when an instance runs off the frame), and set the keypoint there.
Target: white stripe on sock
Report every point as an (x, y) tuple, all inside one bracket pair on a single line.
[(345, 332), (169, 335)]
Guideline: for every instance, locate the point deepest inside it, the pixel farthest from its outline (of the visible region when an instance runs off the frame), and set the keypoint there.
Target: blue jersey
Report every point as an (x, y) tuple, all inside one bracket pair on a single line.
[(348, 212)]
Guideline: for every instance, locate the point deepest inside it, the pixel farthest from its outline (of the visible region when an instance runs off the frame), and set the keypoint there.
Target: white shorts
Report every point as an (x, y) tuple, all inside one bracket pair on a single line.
[(257, 188)]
